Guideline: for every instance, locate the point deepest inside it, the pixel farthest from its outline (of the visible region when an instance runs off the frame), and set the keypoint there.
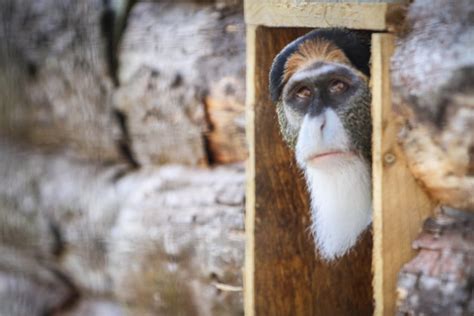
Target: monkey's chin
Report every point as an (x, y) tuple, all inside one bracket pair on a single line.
[(341, 207)]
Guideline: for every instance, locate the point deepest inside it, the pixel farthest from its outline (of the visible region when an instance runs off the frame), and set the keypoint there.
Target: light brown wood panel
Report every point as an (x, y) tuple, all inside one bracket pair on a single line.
[(370, 15), (400, 205), (249, 267), (283, 274)]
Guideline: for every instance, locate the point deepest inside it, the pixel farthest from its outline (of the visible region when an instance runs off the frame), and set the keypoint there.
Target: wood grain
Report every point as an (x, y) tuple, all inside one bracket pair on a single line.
[(249, 268), (373, 15), (284, 276), (400, 205)]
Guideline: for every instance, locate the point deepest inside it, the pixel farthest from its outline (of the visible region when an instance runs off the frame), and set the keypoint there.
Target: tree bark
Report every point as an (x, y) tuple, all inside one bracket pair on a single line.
[(155, 241), (440, 279), (433, 84)]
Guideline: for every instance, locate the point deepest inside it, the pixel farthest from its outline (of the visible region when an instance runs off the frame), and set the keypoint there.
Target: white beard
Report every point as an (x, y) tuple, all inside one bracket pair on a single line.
[(340, 205), (340, 187)]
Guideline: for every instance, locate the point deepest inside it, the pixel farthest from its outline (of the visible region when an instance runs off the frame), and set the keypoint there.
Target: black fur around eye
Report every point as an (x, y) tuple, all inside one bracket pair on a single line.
[(304, 93), (337, 86)]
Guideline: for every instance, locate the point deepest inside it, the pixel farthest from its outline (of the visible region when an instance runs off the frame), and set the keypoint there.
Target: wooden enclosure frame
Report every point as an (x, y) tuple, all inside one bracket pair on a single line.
[(283, 276)]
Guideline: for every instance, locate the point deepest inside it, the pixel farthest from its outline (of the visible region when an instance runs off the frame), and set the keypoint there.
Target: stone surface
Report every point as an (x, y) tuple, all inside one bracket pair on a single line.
[(159, 241), (91, 221), (439, 280), (54, 84), (29, 288), (174, 56), (95, 307), (59, 90), (433, 84)]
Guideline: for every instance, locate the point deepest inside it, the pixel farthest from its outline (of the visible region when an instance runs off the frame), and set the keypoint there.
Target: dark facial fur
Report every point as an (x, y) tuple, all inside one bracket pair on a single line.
[(357, 121)]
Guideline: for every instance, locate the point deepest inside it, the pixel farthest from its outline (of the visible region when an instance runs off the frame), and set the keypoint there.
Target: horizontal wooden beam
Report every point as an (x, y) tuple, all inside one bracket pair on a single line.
[(366, 16)]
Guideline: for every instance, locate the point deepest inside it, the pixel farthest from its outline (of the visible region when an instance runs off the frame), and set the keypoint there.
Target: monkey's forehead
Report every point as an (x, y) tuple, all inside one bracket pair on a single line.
[(354, 45), (317, 70), (312, 51)]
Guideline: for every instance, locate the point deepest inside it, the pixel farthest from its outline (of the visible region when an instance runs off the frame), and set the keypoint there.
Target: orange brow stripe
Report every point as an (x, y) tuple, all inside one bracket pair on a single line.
[(310, 52)]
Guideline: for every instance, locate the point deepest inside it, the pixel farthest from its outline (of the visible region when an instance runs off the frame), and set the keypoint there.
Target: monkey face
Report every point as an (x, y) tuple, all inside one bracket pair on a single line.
[(326, 108), (320, 85)]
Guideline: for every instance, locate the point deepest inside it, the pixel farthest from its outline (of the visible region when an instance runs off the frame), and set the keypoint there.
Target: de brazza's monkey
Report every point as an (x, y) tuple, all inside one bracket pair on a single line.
[(320, 84)]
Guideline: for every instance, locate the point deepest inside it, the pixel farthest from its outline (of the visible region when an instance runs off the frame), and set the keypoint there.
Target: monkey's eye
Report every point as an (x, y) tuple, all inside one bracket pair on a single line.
[(337, 86), (304, 93)]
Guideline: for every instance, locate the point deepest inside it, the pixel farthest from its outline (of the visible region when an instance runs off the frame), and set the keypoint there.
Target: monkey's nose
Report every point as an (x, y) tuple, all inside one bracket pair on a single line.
[(323, 123)]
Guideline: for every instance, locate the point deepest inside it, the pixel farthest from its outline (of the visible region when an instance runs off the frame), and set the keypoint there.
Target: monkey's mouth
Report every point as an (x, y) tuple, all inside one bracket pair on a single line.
[(327, 155)]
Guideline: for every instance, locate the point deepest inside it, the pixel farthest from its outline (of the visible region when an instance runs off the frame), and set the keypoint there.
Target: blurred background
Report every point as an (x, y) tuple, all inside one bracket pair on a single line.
[(122, 137)]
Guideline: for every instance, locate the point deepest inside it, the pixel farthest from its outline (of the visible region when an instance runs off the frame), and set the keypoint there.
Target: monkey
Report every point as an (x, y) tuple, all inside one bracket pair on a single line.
[(320, 86)]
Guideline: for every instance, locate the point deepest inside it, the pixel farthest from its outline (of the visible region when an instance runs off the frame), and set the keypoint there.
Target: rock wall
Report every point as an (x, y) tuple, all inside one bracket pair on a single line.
[(163, 241), (439, 280), (55, 88), (113, 200), (433, 84), (174, 58)]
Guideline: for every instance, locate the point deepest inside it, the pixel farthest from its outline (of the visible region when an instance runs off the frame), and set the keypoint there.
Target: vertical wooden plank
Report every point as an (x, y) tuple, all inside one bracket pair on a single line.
[(400, 205), (283, 274), (249, 272)]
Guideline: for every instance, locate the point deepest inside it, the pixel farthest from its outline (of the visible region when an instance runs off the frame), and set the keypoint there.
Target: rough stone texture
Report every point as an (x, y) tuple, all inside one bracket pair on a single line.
[(433, 84), (440, 279), (195, 242), (95, 307), (36, 292), (53, 77), (225, 111), (59, 92), (173, 56), (83, 233), (156, 241)]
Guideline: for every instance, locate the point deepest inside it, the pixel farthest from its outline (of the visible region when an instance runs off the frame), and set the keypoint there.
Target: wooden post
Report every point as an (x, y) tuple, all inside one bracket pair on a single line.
[(283, 274), (249, 267), (399, 204)]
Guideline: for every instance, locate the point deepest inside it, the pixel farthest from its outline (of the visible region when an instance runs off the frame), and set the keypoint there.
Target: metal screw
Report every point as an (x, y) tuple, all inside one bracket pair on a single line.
[(389, 158)]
